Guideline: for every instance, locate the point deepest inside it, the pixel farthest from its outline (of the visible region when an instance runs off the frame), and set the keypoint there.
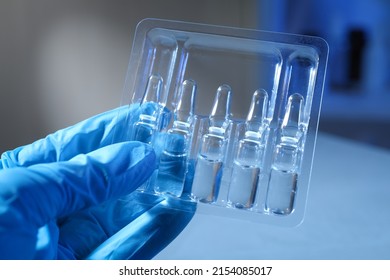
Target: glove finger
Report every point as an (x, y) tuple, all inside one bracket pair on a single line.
[(82, 232), (149, 231), (102, 222), (83, 137), (44, 192)]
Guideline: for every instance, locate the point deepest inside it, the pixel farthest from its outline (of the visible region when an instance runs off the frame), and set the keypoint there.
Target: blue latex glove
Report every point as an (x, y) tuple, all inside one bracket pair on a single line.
[(70, 196)]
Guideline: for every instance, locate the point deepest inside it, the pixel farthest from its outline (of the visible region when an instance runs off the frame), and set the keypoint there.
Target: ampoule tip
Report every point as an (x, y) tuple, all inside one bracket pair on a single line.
[(153, 89), (258, 111), (220, 112), (186, 101)]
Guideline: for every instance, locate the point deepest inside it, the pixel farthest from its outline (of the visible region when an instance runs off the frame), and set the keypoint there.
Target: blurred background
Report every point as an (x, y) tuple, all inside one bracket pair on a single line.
[(63, 61)]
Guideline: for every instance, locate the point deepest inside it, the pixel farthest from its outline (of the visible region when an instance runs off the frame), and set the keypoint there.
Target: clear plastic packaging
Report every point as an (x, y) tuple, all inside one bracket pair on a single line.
[(234, 116)]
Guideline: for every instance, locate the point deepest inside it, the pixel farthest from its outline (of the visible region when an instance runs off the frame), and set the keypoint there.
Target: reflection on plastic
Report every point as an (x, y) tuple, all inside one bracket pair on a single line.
[(150, 224)]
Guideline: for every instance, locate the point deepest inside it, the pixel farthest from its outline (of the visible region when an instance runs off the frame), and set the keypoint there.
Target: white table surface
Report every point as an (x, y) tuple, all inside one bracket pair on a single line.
[(347, 215)]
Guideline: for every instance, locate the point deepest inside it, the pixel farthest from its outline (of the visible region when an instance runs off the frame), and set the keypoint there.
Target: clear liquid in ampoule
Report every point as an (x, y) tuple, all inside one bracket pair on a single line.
[(243, 185), (173, 164), (281, 192), (245, 173), (171, 174), (207, 179)]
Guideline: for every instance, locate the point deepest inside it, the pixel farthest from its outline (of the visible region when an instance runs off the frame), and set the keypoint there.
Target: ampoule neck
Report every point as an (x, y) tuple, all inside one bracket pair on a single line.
[(253, 135), (217, 131), (180, 125), (286, 157)]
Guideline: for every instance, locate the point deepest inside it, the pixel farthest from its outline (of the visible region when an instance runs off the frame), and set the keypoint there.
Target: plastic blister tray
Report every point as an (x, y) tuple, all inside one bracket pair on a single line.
[(247, 161)]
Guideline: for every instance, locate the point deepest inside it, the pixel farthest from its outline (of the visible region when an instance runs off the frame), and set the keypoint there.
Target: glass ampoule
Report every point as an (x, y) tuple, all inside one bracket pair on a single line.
[(208, 169), (283, 179), (249, 156), (173, 160), (147, 123)]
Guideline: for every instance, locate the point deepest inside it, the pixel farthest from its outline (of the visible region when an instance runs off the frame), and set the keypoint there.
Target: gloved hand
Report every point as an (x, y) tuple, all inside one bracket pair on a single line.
[(70, 196)]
